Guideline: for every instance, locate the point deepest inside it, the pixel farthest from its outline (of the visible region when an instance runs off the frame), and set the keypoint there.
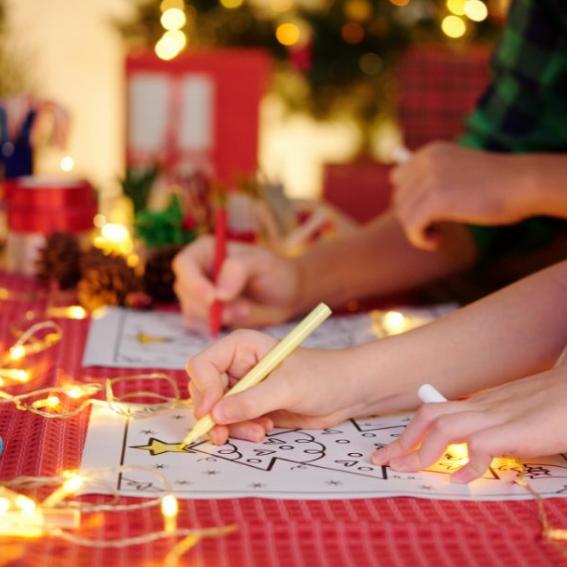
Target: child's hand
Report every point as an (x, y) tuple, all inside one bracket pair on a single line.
[(525, 418), (256, 286), (310, 389)]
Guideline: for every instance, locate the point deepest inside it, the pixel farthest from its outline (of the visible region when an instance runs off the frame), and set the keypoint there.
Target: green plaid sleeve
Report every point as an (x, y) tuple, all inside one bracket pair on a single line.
[(524, 109)]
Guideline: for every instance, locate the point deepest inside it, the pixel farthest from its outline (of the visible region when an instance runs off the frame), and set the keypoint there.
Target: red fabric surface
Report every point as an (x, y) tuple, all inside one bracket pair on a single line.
[(392, 531)]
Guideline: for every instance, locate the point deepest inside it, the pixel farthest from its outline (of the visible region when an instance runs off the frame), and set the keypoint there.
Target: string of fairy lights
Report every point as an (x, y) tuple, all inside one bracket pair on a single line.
[(22, 516), (290, 30)]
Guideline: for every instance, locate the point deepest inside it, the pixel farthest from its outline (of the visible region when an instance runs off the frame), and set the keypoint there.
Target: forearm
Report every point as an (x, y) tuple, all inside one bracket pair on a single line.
[(546, 178), (516, 332), (375, 260)]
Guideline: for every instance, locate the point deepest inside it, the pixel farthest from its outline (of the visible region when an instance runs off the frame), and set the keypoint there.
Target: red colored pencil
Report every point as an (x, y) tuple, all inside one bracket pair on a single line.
[(221, 229)]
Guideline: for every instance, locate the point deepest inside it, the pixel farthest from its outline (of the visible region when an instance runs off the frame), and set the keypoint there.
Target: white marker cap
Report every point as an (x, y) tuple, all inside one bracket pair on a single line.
[(428, 394)]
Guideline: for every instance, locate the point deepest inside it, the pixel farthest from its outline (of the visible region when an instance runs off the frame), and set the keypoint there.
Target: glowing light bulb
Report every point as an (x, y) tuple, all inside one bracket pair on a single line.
[(74, 392), (394, 322), (173, 19), (4, 505), (288, 33), (17, 352), (73, 483), (231, 4), (25, 504), (476, 10), (67, 164), (458, 451), (15, 374), (115, 232), (76, 312), (400, 3), (52, 401), (456, 7), (169, 510), (453, 27)]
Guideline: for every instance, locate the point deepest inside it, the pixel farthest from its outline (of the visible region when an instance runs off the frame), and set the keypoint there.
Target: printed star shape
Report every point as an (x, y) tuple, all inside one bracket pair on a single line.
[(157, 447)]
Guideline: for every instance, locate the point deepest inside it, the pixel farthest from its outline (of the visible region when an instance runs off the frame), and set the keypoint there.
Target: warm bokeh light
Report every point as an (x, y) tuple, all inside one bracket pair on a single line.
[(170, 4), (74, 392), (400, 3), (52, 402), (67, 164), (17, 352), (170, 44), (453, 27), (25, 504), (115, 232), (476, 10), (14, 374), (458, 451), (169, 510), (281, 5), (99, 220), (231, 4), (394, 322), (370, 63), (76, 312), (352, 32), (456, 7), (4, 505), (73, 482), (173, 19), (288, 33), (358, 10)]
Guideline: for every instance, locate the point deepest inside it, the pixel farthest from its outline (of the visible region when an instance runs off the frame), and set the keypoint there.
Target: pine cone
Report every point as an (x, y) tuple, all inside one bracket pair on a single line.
[(106, 280), (92, 258), (158, 274), (58, 261)]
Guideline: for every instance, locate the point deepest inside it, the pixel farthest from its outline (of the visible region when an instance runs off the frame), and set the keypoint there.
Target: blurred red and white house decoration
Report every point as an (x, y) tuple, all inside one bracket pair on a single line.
[(197, 112)]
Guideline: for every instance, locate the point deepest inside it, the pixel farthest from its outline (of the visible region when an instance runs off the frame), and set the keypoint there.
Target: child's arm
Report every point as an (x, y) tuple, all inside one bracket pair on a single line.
[(526, 418), (513, 333)]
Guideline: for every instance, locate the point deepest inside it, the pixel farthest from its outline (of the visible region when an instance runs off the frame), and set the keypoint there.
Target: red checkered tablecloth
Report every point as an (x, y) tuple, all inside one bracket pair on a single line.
[(272, 533)]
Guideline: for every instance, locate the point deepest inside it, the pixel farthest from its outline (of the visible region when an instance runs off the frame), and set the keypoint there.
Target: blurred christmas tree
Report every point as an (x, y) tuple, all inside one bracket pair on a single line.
[(335, 55)]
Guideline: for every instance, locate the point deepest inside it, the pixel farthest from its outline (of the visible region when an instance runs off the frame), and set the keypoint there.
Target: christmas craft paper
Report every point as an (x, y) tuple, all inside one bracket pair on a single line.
[(288, 464), (123, 338)]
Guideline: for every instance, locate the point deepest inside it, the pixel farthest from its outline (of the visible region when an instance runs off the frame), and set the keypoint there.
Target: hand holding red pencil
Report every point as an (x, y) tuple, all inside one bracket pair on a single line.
[(221, 231)]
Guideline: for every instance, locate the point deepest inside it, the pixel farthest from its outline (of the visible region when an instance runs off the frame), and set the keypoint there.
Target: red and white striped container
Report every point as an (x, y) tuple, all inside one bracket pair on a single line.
[(40, 206)]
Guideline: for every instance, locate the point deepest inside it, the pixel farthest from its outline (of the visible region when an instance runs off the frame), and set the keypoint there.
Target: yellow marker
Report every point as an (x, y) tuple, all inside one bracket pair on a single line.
[(275, 357)]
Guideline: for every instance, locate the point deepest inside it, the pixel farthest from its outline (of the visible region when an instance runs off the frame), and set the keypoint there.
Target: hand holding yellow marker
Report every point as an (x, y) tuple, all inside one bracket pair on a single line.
[(275, 357)]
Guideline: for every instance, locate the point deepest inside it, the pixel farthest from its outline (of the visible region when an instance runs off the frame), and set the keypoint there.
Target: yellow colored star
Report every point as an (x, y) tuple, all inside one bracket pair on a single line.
[(143, 338), (157, 447)]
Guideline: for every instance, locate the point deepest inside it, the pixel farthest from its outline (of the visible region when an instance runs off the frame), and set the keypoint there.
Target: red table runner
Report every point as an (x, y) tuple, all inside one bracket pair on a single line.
[(272, 533)]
